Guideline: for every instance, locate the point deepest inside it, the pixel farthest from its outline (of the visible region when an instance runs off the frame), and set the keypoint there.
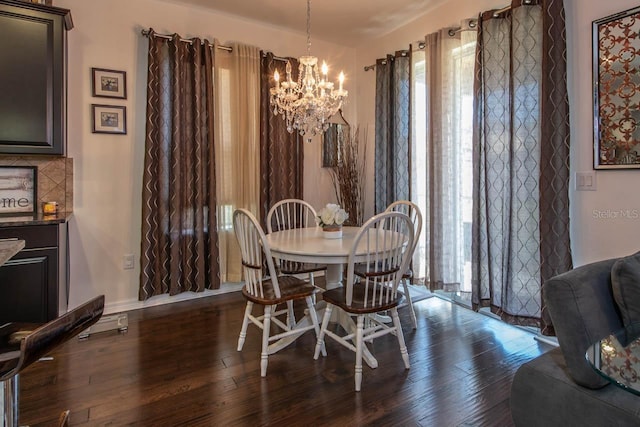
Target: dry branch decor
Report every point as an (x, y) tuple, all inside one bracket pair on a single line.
[(348, 176)]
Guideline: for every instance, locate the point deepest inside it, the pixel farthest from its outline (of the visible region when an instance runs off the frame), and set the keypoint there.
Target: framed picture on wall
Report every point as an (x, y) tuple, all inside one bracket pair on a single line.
[(109, 119), (108, 83), (18, 189), (616, 91)]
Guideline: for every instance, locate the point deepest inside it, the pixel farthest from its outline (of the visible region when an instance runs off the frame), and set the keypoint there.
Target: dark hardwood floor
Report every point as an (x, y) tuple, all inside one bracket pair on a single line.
[(178, 365)]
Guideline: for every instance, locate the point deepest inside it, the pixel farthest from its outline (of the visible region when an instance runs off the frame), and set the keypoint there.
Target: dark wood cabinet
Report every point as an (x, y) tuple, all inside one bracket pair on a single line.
[(33, 282), (28, 287), (33, 78)]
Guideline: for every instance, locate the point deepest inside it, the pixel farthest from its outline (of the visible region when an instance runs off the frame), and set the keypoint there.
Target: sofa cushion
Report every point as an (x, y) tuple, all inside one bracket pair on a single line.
[(544, 395), (583, 311), (625, 280)]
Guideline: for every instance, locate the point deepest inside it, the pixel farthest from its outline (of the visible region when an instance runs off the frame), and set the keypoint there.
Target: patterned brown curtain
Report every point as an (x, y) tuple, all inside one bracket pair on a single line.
[(393, 124), (179, 240), (521, 160), (281, 152)]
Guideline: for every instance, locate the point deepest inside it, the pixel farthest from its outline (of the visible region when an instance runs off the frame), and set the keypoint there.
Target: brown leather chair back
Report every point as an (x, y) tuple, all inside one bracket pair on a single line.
[(47, 337)]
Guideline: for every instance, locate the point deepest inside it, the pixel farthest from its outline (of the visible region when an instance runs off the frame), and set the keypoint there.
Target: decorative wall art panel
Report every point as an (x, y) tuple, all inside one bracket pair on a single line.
[(616, 73)]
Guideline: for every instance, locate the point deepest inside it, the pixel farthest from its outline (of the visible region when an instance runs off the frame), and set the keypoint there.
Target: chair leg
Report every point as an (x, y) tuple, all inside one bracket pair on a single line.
[(245, 322), (291, 317), (11, 408), (323, 329), (266, 327), (400, 335), (312, 282), (412, 312), (359, 344), (314, 320)]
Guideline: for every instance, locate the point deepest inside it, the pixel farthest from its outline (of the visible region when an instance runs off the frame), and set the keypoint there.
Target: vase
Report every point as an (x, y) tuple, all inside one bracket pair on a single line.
[(332, 231)]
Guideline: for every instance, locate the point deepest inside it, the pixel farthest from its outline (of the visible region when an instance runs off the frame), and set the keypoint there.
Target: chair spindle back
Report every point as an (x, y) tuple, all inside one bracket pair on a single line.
[(253, 245), (413, 212), (387, 239), (290, 213)]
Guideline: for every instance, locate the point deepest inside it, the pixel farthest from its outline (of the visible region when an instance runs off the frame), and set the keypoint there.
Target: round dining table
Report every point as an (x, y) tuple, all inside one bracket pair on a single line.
[(309, 245)]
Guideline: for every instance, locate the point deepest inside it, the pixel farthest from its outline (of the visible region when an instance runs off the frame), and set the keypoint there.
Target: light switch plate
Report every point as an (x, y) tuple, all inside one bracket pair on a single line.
[(586, 181), (128, 262)]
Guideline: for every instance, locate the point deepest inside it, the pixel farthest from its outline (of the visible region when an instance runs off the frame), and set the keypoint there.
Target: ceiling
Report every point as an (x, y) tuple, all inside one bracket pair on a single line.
[(347, 22)]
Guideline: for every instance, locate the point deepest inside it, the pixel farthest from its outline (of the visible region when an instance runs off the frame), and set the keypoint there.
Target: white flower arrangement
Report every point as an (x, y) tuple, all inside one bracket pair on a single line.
[(331, 214)]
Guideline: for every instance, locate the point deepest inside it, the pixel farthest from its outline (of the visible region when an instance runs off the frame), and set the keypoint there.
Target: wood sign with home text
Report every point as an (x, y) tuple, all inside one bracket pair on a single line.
[(18, 189)]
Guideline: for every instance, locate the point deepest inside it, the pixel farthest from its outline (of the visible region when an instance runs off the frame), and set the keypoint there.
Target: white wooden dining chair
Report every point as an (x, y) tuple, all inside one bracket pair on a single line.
[(269, 291), (285, 215), (413, 212), (386, 239)]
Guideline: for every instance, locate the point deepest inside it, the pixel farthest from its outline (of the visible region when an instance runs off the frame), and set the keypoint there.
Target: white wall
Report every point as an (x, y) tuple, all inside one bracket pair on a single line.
[(593, 237), (595, 234), (108, 168)]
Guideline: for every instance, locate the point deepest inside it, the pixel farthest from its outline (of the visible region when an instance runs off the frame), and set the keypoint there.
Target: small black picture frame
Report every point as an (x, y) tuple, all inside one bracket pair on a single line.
[(108, 83), (109, 119), (18, 190)]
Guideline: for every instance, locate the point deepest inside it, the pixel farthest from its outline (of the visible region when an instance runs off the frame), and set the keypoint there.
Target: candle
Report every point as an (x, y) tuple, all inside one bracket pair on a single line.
[(49, 208), (341, 80), (276, 77)]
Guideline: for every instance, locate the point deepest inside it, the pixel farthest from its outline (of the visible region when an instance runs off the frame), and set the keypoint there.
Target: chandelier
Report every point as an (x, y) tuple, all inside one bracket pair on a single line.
[(307, 104)]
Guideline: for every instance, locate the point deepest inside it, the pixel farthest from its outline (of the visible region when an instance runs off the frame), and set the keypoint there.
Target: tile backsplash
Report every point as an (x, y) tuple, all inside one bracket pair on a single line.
[(55, 178)]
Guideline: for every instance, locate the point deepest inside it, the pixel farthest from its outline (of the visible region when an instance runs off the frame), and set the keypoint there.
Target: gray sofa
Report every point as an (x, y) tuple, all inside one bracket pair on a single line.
[(559, 388)]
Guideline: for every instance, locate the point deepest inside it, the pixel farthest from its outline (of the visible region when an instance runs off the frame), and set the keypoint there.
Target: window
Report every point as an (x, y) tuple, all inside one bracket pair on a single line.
[(442, 172)]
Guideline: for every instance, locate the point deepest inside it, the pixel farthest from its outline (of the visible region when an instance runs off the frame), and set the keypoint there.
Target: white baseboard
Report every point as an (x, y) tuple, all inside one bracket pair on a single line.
[(547, 340), (133, 304)]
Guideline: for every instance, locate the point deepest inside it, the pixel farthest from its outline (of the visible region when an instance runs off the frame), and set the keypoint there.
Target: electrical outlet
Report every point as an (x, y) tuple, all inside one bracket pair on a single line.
[(128, 262)]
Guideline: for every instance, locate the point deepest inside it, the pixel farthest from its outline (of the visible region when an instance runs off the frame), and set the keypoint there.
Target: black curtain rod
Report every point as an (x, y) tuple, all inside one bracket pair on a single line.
[(402, 53), (452, 32), (227, 48), (277, 58), (497, 13), (421, 45), (169, 37)]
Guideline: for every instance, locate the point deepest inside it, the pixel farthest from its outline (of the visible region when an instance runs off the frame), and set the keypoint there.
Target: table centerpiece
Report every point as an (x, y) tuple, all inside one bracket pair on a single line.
[(331, 218)]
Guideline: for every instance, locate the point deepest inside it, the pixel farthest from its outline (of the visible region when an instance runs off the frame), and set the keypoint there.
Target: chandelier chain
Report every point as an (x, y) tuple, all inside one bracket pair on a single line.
[(309, 27)]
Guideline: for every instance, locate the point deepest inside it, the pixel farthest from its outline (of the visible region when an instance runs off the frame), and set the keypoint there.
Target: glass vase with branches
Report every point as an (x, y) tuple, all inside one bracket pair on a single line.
[(348, 176)]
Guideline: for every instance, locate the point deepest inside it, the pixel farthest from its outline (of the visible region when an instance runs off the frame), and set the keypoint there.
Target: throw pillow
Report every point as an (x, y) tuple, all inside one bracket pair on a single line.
[(625, 280), (582, 308)]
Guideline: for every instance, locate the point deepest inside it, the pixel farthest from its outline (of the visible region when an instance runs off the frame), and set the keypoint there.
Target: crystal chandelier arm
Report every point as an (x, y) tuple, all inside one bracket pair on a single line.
[(307, 103)]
